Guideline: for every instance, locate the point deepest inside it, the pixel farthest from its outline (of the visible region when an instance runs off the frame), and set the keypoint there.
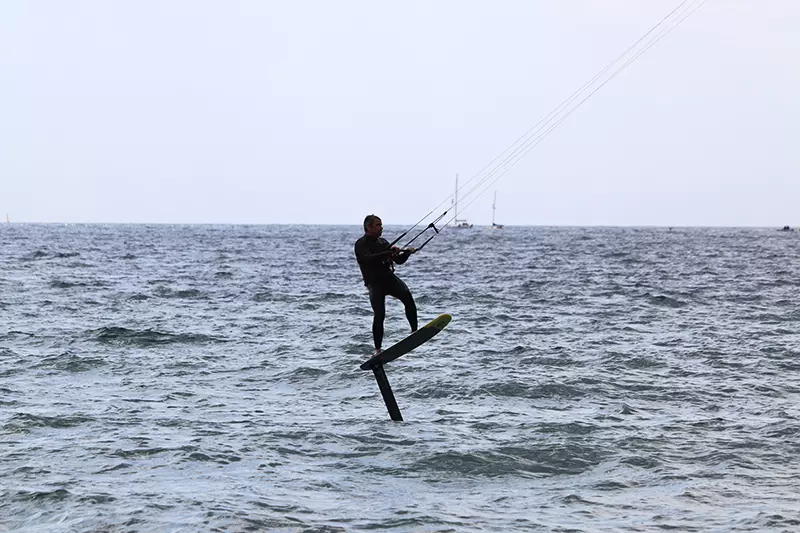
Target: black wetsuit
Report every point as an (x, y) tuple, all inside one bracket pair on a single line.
[(377, 268)]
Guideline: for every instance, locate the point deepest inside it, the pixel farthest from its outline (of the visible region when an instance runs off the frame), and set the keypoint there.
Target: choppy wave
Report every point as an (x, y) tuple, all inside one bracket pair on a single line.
[(147, 337), (26, 421)]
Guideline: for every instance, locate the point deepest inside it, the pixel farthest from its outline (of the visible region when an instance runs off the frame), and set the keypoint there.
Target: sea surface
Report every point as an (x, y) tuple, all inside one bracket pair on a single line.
[(205, 378)]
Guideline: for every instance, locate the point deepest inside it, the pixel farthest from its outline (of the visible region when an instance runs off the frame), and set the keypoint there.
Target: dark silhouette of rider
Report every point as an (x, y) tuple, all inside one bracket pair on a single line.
[(376, 258)]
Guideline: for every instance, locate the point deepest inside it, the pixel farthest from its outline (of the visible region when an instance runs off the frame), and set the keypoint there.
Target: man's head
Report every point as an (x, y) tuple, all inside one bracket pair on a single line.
[(373, 226)]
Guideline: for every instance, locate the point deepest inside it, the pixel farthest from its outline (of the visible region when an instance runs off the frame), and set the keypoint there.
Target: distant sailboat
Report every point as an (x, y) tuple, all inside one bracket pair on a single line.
[(495, 226), (459, 223), (7, 221)]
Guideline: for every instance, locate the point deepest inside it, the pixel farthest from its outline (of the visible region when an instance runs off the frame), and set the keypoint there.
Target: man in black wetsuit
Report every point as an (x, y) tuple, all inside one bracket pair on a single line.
[(377, 259)]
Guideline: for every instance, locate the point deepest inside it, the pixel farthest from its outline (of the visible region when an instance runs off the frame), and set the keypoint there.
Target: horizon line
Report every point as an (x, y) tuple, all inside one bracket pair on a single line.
[(400, 224)]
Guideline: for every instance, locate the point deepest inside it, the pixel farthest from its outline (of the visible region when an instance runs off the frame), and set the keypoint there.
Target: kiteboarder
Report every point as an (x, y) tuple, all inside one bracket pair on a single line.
[(376, 258)]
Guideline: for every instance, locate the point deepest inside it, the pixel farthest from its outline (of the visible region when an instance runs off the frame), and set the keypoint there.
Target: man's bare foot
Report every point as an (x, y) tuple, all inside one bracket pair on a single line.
[(378, 351)]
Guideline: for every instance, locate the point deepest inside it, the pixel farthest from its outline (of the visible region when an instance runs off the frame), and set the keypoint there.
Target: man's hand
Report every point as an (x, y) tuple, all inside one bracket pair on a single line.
[(395, 251)]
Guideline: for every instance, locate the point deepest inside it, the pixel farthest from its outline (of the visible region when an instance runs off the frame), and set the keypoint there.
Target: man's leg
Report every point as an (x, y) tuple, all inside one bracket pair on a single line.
[(377, 298), (400, 291)]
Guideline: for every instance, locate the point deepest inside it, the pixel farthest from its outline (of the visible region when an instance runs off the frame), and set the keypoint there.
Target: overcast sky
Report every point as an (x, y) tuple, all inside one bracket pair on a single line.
[(297, 111)]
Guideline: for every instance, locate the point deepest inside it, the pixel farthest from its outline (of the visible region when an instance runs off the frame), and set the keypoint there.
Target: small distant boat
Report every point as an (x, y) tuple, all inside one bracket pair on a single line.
[(495, 226), (459, 223)]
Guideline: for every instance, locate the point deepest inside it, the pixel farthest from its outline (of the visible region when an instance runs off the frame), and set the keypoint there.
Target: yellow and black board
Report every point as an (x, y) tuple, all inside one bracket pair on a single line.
[(376, 363)]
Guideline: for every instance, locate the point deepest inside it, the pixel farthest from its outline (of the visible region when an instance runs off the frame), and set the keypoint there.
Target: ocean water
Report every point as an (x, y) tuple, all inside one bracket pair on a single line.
[(205, 378)]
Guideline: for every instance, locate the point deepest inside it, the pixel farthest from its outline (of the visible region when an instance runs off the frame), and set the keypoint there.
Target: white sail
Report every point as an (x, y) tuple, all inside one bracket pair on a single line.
[(494, 202)]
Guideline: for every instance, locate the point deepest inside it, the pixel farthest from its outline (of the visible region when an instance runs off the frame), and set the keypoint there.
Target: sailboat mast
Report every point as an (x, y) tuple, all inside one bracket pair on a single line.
[(494, 202), (456, 202)]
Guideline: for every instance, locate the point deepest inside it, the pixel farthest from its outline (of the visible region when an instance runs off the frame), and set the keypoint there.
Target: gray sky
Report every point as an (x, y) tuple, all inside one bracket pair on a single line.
[(323, 112)]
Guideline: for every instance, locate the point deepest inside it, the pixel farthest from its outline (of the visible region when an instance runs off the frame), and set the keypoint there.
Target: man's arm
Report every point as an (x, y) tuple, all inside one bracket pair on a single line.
[(365, 255)]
